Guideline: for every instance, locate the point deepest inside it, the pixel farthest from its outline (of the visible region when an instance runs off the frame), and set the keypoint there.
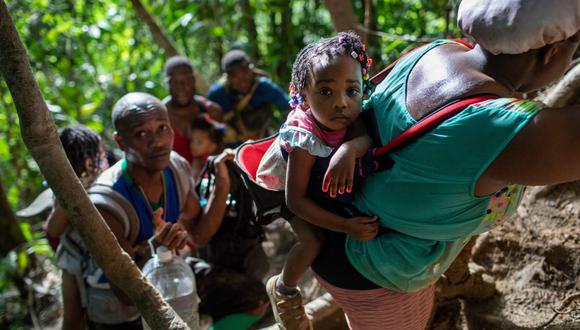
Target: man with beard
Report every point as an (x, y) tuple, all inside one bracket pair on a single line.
[(183, 105), (246, 97)]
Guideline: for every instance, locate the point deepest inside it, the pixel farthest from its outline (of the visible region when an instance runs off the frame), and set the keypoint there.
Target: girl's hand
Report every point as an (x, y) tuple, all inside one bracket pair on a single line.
[(362, 228), (172, 235), (339, 176)]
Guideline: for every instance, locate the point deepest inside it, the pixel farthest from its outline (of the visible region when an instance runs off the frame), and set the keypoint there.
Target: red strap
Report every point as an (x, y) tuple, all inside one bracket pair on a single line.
[(429, 122), (379, 77)]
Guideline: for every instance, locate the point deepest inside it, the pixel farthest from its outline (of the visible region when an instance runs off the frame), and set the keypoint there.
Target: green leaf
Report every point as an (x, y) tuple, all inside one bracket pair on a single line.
[(22, 261), (217, 31), (25, 227), (88, 108)]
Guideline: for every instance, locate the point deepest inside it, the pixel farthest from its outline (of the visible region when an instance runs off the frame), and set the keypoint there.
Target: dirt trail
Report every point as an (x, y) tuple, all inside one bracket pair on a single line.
[(535, 261)]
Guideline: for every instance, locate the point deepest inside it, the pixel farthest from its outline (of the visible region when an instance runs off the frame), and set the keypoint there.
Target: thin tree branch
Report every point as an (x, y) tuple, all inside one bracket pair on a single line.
[(404, 37), (164, 41)]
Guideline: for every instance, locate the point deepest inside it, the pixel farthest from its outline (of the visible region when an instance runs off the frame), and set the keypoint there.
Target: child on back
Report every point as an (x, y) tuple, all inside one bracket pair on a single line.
[(86, 153), (327, 90), (207, 137)]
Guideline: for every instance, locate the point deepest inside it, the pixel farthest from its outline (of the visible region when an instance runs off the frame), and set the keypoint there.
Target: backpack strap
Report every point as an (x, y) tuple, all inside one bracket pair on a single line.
[(429, 122), (183, 179)]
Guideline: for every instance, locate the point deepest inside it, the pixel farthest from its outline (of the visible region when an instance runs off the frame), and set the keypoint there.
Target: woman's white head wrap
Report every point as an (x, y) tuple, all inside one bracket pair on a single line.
[(516, 26)]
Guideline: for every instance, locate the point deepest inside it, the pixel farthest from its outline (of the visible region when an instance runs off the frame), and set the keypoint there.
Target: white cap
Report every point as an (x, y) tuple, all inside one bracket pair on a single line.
[(516, 26), (164, 254)]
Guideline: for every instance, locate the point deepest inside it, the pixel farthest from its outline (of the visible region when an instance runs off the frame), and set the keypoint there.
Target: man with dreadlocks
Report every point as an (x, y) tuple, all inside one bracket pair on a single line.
[(246, 96), (183, 105), (328, 84)]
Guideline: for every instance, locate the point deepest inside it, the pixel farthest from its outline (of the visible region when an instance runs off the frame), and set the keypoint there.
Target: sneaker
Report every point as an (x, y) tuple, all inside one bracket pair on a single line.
[(288, 310)]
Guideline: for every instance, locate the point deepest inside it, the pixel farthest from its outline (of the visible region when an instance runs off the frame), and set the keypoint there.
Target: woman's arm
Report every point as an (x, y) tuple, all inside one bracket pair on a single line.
[(300, 164), (546, 151)]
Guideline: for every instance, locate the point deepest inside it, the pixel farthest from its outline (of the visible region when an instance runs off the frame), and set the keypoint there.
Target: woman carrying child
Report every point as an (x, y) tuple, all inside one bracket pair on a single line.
[(327, 91), (465, 175)]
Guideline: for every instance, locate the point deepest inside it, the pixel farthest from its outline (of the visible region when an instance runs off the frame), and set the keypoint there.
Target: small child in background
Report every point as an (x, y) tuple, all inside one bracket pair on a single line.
[(207, 136), (328, 85), (86, 153)]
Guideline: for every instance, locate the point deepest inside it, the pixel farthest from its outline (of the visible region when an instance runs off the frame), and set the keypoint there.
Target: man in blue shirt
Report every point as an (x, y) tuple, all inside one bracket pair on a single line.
[(246, 97)]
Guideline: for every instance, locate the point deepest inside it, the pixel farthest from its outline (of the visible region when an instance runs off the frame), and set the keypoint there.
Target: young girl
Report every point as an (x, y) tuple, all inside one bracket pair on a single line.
[(326, 90), (207, 137), (87, 156)]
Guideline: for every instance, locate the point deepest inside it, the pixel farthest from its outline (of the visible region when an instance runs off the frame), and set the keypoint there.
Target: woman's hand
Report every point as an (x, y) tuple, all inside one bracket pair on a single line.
[(172, 235), (362, 228), (339, 176)]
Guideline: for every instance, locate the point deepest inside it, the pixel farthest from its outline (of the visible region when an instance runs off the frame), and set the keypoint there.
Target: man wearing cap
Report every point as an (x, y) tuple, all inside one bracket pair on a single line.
[(465, 175), (246, 97)]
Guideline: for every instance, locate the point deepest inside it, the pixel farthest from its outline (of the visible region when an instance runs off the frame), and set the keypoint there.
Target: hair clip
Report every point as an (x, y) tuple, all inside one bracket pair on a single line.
[(295, 99), (354, 55)]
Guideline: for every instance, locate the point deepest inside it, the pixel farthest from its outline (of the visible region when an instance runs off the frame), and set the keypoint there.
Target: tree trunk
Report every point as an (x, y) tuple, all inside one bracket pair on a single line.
[(566, 90), (343, 16), (164, 41), (41, 138), (288, 48), (10, 234), (248, 12), (368, 21)]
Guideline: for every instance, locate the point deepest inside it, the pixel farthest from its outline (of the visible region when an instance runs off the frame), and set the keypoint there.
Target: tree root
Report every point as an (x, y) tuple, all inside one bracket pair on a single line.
[(562, 308)]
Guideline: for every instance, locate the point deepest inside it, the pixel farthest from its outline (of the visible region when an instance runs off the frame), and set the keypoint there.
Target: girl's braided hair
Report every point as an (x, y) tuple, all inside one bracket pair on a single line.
[(343, 44), (80, 142)]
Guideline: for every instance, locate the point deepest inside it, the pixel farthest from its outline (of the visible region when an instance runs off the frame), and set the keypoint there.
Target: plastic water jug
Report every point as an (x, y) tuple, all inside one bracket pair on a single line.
[(176, 282)]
